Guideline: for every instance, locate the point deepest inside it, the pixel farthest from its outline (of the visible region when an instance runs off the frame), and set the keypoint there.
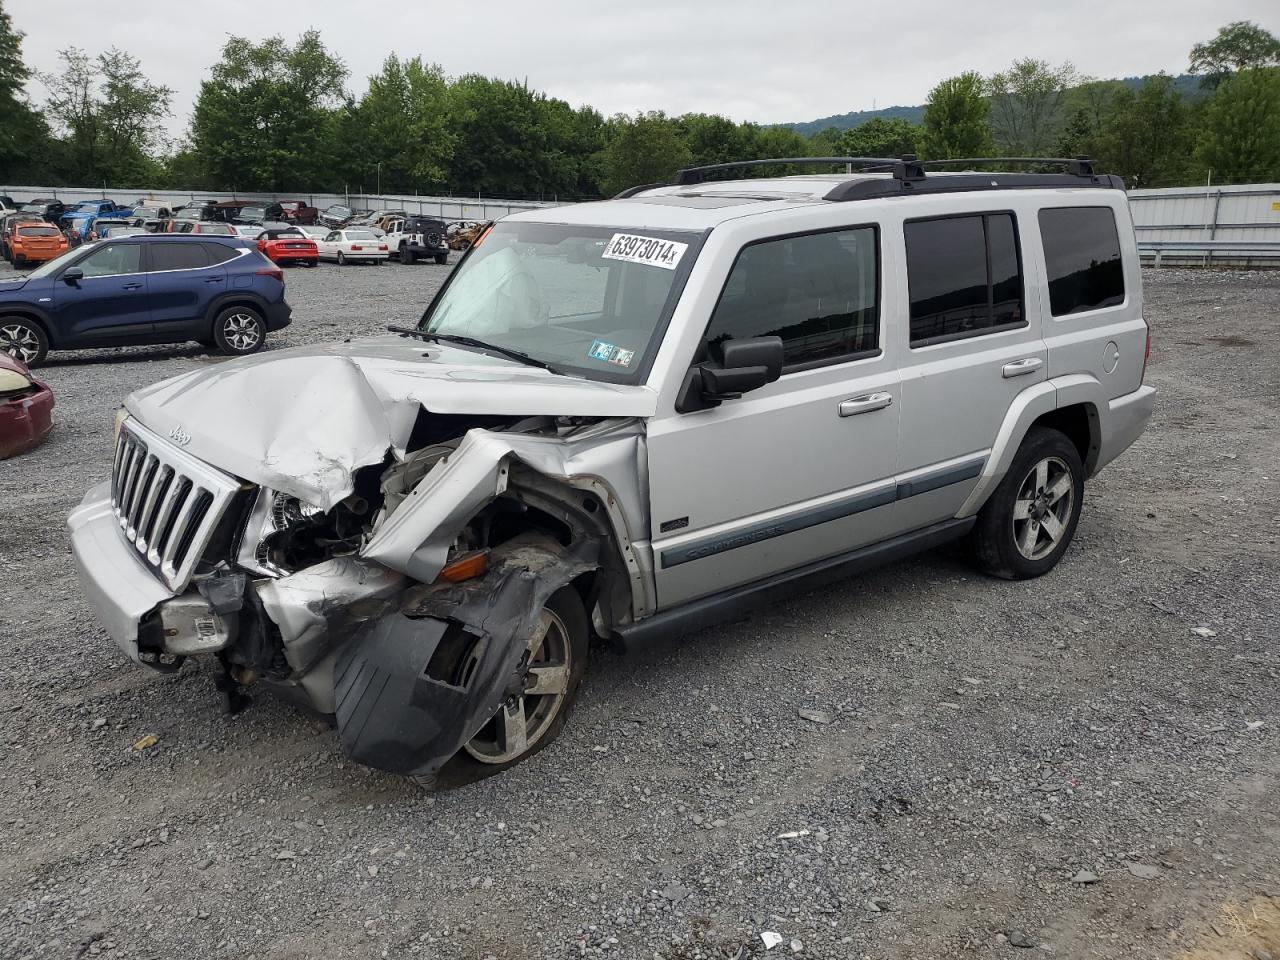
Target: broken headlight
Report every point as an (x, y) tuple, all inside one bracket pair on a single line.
[(264, 543)]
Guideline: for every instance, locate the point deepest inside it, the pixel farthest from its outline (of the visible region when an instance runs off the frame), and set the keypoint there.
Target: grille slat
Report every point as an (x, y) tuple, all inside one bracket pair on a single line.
[(168, 503)]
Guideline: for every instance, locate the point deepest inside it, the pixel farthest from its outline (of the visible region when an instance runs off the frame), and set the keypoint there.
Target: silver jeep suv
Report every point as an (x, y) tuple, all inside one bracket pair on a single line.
[(622, 419)]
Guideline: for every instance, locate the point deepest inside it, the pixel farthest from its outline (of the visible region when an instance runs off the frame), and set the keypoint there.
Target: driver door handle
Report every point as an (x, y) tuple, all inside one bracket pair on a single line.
[(864, 404), (132, 286), (1020, 368)]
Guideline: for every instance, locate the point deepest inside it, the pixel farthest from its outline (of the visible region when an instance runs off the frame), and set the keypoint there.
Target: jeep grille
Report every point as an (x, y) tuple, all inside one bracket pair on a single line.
[(169, 504)]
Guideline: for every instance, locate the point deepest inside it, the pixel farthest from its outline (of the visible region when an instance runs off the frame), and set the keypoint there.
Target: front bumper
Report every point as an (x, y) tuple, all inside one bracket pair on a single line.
[(122, 591), (25, 421)]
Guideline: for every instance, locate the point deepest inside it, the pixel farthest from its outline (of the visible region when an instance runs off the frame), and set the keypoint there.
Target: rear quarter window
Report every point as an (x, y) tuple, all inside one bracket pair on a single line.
[(1082, 259)]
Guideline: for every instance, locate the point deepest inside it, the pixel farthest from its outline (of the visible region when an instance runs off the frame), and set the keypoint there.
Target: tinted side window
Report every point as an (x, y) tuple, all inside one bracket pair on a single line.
[(964, 276), (218, 253), (178, 256), (1082, 255), (818, 292), (113, 260)]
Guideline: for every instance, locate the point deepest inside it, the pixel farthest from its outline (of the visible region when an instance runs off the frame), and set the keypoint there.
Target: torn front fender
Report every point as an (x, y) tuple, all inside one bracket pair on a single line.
[(401, 704)]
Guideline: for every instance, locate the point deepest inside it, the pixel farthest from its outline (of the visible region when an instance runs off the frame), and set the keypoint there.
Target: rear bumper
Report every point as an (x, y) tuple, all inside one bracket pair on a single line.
[(25, 421), (1127, 418), (279, 315), (121, 590)]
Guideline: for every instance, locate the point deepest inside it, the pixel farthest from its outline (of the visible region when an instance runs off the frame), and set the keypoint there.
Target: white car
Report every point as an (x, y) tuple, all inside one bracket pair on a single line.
[(357, 245)]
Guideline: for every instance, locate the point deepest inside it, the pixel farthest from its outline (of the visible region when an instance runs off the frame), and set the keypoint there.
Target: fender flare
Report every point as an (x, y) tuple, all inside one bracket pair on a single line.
[(32, 312), (235, 296), (398, 710), (1031, 404)]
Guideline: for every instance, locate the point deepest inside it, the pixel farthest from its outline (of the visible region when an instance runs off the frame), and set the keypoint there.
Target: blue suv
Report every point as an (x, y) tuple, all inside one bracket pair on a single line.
[(218, 291)]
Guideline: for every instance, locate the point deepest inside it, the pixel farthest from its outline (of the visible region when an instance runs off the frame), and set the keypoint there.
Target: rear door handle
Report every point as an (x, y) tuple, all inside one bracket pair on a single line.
[(1020, 368), (132, 286), (864, 404)]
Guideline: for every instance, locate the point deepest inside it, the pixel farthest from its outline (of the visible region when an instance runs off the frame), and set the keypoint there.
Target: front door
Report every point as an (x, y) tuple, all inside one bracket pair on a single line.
[(109, 303), (803, 468)]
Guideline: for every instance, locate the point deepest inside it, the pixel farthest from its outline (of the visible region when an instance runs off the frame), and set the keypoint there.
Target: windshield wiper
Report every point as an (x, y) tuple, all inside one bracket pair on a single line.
[(507, 352)]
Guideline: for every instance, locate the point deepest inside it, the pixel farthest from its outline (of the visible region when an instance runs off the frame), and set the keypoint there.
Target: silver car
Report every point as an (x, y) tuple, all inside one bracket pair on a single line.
[(624, 419)]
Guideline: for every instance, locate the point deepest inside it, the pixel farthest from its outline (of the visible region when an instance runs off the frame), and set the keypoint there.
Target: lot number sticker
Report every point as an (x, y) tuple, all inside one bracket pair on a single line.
[(647, 250)]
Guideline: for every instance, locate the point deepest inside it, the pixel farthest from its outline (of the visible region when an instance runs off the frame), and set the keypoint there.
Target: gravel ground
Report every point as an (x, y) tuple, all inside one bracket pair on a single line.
[(1070, 764)]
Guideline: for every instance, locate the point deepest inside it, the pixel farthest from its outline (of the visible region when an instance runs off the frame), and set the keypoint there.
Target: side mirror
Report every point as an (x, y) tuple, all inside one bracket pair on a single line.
[(72, 275), (744, 365)]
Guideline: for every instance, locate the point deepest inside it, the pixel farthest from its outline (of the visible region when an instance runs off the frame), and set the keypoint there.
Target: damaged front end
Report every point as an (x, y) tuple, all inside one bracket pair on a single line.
[(400, 595)]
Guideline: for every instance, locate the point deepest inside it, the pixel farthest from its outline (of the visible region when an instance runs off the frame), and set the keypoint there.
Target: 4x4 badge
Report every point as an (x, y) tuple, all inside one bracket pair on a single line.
[(179, 436)]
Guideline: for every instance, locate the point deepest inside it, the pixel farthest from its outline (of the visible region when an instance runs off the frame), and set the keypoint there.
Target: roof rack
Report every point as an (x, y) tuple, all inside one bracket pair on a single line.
[(699, 174), (909, 175)]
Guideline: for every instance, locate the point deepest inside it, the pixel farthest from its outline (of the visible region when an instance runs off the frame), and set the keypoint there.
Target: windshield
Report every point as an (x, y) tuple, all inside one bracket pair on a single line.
[(593, 299), (339, 211), (89, 206), (53, 266)]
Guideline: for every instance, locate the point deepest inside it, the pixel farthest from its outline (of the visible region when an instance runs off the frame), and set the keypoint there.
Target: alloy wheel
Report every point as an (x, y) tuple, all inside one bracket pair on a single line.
[(242, 331), (525, 718), (19, 340), (1042, 511)]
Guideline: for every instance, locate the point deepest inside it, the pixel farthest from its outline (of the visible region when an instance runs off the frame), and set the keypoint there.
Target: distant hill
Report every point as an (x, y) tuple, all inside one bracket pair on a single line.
[(1186, 84)]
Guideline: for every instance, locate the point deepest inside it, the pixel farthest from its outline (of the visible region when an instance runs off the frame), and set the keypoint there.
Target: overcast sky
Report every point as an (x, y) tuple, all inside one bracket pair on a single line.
[(769, 62)]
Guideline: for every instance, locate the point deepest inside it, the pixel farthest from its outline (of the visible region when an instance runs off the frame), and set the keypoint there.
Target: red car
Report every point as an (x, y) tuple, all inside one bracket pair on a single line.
[(26, 407), (289, 246)]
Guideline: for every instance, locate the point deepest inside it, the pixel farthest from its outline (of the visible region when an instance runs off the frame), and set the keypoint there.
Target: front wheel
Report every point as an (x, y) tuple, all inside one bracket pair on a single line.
[(553, 671), (239, 331), (1025, 527), (442, 258), (406, 255), (23, 339)]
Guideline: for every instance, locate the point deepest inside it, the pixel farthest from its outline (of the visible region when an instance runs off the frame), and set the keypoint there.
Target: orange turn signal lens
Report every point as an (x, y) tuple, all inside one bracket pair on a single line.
[(466, 567)]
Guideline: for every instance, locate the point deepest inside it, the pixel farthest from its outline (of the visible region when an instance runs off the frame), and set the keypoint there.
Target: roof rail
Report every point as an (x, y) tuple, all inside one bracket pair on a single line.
[(1076, 166), (698, 174)]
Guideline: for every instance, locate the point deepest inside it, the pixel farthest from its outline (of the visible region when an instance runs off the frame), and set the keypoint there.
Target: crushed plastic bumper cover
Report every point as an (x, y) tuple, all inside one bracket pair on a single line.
[(392, 712)]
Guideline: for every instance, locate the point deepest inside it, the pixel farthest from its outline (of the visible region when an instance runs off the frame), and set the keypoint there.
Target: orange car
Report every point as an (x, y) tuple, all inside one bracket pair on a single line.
[(281, 246), (35, 243)]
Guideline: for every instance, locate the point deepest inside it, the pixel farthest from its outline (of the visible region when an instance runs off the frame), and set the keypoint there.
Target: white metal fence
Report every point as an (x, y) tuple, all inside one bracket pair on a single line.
[(446, 208)]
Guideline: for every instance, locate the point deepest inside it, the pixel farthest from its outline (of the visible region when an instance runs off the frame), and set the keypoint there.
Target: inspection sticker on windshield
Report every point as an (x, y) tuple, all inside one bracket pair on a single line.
[(600, 350), (647, 250)]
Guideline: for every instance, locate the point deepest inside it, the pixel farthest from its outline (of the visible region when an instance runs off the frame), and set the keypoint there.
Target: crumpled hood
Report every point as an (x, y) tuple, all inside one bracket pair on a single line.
[(304, 420)]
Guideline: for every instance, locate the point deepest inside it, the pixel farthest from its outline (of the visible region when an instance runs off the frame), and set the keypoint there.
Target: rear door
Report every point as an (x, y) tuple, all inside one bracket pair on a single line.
[(180, 282), (109, 303), (971, 342)]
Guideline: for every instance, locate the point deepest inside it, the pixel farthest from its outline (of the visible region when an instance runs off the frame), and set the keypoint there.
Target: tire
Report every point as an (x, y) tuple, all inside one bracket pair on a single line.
[(442, 258), (406, 255), (1045, 483), (18, 261), (24, 339), (568, 632), (342, 261), (311, 263), (239, 331)]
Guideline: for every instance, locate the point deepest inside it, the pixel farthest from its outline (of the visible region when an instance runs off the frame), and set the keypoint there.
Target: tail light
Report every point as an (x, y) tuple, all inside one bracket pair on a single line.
[(276, 272), (1146, 355), (383, 247), (354, 247)]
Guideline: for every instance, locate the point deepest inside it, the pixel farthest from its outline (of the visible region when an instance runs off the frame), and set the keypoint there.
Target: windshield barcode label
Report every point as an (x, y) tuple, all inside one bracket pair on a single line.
[(647, 250)]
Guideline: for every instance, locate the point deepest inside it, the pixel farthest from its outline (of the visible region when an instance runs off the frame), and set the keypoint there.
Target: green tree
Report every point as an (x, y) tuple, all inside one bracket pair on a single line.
[(502, 148), (1027, 106), (1147, 138), (957, 119), (1089, 108), (646, 149), (402, 122), (110, 117), (881, 137), (23, 134), (714, 139), (1238, 46), (268, 115), (1240, 128)]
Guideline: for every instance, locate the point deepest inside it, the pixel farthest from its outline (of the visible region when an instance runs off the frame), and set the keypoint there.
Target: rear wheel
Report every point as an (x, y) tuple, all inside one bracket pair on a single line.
[(406, 255), (553, 669), (342, 260), (1025, 527), (239, 331), (24, 339), (19, 260), (442, 258)]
